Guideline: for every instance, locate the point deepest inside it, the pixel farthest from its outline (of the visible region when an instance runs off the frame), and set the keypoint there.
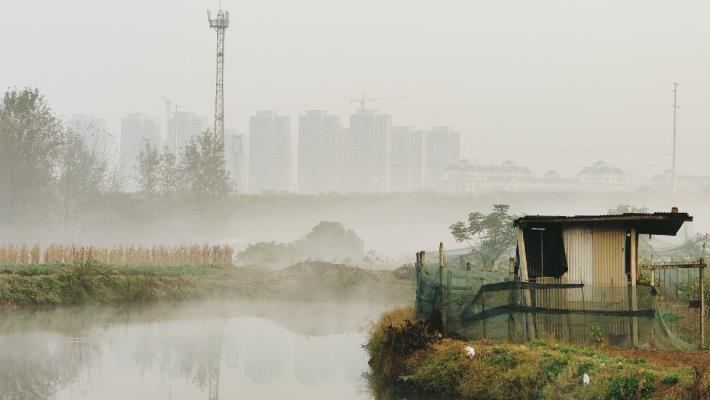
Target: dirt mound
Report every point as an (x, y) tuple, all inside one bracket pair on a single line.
[(308, 267), (324, 272)]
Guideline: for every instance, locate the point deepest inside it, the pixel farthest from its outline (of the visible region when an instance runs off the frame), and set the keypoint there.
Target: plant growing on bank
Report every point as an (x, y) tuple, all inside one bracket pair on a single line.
[(489, 236), (394, 338), (536, 370)]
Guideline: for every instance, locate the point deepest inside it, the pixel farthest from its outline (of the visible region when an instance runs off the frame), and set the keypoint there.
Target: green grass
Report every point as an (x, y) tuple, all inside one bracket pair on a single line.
[(100, 283), (88, 283), (536, 370)]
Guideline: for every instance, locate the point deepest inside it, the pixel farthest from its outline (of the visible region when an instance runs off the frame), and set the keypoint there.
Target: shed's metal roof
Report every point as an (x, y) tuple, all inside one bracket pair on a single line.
[(658, 223)]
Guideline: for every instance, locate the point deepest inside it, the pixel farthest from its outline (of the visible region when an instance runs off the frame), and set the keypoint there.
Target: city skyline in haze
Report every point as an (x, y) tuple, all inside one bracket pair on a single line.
[(592, 79)]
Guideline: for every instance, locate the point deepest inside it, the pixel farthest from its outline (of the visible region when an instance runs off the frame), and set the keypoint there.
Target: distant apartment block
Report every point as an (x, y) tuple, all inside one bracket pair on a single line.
[(136, 129), (366, 153), (319, 152), (508, 177), (181, 128), (469, 177), (552, 181), (236, 157), (442, 150), (600, 177), (93, 131), (270, 147), (407, 160)]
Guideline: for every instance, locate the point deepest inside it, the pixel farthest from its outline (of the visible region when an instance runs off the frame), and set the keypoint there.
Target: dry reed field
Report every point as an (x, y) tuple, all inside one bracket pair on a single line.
[(118, 255)]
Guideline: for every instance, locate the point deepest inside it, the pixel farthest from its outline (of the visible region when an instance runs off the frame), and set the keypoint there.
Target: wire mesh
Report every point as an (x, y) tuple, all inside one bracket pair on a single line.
[(491, 304)]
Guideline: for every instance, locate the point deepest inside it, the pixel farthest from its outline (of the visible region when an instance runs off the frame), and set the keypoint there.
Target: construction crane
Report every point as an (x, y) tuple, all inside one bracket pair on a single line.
[(169, 106), (363, 100)]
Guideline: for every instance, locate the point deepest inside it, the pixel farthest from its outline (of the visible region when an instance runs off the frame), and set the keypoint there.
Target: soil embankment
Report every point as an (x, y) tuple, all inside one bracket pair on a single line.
[(405, 355)]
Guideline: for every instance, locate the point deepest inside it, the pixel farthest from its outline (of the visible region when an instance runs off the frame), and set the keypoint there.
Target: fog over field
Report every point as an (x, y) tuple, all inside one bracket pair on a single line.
[(214, 197)]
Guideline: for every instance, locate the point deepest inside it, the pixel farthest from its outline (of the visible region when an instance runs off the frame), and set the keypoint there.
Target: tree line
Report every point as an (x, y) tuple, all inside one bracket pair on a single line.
[(51, 175)]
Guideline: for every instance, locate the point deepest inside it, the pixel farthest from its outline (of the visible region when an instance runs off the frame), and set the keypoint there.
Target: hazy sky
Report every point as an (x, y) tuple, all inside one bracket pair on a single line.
[(547, 84)]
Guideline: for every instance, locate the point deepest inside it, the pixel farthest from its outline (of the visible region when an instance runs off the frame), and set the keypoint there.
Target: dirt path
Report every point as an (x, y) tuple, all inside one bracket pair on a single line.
[(700, 359)]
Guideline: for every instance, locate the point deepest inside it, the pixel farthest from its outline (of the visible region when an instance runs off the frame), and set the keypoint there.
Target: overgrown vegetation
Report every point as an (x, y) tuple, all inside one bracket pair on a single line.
[(393, 339), (537, 370)]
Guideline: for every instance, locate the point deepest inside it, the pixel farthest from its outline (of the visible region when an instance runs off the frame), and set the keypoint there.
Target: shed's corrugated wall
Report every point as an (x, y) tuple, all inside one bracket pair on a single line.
[(608, 257), (595, 255), (578, 248)]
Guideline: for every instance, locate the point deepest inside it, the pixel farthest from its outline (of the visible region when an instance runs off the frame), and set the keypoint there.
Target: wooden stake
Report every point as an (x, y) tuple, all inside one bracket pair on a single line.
[(442, 288), (702, 307)]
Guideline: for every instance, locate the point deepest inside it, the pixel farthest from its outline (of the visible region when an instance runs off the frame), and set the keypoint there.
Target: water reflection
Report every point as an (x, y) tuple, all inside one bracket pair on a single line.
[(207, 350)]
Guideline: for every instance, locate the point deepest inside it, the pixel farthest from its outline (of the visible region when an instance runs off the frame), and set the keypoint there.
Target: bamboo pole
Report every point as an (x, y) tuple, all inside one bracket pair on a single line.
[(442, 289)]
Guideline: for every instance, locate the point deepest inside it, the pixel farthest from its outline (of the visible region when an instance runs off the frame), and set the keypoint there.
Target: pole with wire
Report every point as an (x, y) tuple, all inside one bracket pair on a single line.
[(675, 132)]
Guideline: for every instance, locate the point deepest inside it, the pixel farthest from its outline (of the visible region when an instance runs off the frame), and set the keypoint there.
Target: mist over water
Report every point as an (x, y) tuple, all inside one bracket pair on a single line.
[(238, 350)]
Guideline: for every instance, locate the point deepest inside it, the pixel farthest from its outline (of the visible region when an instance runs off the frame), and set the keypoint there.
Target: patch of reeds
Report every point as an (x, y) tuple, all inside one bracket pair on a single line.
[(160, 255)]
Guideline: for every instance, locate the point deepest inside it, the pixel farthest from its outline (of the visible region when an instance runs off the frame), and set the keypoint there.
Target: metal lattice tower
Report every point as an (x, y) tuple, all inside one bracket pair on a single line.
[(219, 22)]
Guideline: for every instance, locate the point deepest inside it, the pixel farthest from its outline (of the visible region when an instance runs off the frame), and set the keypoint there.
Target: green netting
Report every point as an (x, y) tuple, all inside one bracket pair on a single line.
[(679, 302), (487, 304)]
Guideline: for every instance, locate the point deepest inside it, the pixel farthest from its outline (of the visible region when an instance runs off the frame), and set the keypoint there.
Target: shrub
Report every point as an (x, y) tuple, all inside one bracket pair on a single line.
[(503, 357), (552, 365), (595, 331), (670, 379), (396, 336), (523, 382), (631, 386), (441, 372)]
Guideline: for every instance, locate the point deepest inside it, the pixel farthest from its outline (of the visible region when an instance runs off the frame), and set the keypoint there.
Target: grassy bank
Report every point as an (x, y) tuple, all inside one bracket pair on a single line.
[(406, 355), (100, 283)]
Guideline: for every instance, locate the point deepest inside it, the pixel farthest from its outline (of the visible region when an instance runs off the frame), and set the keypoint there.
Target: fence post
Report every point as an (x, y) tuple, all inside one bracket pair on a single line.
[(702, 306), (417, 283), (483, 304), (653, 273), (441, 286), (449, 275)]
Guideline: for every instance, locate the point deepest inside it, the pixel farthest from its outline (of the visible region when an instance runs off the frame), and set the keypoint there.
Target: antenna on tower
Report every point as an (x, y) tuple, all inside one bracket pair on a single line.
[(675, 131), (219, 22)]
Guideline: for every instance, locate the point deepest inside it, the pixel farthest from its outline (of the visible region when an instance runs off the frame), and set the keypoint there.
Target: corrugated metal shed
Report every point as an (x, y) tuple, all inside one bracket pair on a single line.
[(608, 257), (595, 245), (578, 248), (658, 223)]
